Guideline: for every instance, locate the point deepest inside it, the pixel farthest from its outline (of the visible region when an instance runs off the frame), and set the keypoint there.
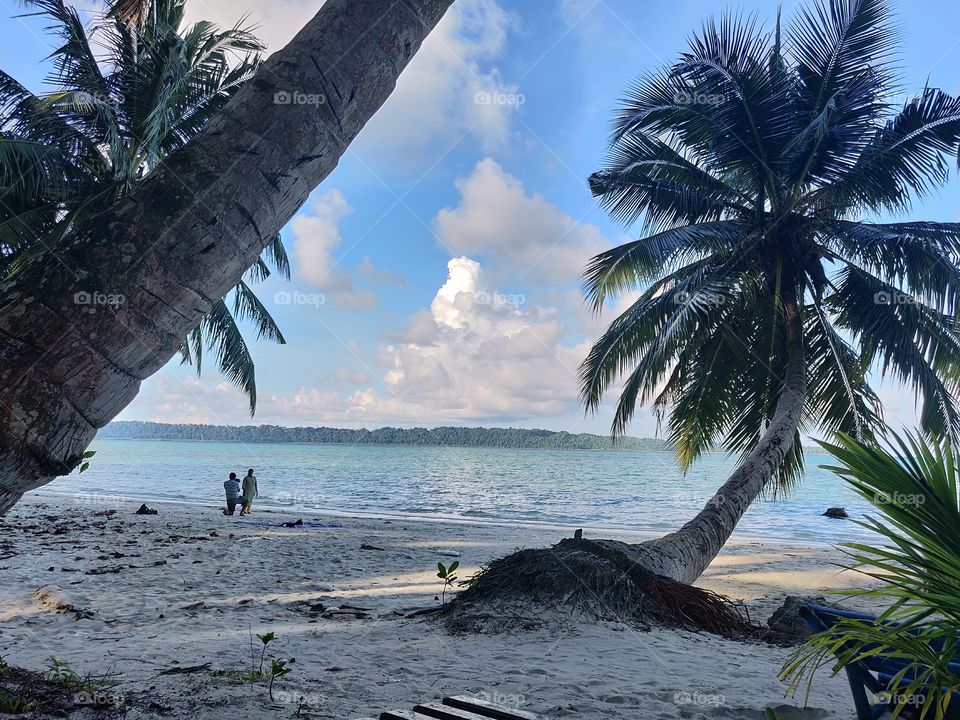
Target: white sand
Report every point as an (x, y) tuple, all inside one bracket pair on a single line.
[(192, 584)]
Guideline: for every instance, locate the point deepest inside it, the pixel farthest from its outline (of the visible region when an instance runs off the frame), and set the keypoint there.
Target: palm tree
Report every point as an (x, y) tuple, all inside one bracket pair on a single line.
[(129, 92), (759, 164), (188, 232)]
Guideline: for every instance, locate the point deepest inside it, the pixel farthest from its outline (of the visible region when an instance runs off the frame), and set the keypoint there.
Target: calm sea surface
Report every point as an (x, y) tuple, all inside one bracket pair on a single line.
[(641, 491)]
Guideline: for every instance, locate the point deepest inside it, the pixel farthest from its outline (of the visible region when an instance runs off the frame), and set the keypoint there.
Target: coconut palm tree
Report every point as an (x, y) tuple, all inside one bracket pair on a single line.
[(758, 166), (187, 233), (127, 92)]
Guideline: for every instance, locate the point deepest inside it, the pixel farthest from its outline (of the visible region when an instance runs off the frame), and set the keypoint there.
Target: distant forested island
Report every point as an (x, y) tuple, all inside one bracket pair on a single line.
[(439, 436)]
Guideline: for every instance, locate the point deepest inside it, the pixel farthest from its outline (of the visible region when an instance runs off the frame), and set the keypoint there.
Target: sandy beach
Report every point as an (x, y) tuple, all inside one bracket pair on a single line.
[(134, 596)]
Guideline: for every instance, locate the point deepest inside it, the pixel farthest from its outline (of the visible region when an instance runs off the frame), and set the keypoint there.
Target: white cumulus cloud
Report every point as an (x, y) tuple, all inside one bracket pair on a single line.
[(316, 239), (274, 22), (528, 237), (476, 354), (451, 90)]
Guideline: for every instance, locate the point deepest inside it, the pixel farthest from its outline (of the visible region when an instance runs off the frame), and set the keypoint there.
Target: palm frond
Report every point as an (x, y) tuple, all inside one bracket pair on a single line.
[(247, 306), (834, 43), (918, 255), (276, 255), (130, 12), (840, 398), (902, 159), (907, 340), (630, 265), (223, 337), (911, 483)]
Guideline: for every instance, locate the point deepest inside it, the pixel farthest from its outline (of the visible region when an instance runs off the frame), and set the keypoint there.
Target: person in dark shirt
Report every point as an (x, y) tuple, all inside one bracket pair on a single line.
[(234, 497)]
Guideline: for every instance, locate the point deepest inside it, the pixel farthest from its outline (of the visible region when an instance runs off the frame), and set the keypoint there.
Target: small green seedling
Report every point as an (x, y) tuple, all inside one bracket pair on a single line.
[(446, 574), (278, 668), (266, 639), (86, 460), (61, 673)]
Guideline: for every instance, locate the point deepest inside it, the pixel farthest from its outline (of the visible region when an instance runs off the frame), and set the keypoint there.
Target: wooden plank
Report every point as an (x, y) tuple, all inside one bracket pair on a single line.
[(487, 709), (403, 715), (408, 715), (446, 712)]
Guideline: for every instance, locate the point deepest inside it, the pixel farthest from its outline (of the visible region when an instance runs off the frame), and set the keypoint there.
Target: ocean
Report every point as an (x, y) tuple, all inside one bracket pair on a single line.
[(596, 489)]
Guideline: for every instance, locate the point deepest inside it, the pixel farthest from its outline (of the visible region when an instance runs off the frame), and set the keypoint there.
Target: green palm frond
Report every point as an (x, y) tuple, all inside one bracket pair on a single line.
[(918, 255), (222, 336), (247, 306), (914, 343), (839, 395), (191, 351), (75, 64), (904, 157), (626, 266), (650, 334), (276, 254), (648, 178), (911, 482), (834, 43), (259, 271)]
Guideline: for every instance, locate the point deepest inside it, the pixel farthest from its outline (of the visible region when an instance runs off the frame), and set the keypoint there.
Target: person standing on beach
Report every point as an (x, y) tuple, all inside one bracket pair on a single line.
[(249, 491), (231, 487)]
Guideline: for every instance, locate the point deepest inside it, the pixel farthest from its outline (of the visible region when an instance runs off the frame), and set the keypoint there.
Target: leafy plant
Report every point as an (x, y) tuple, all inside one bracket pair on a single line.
[(265, 639), (278, 668), (85, 465), (911, 482), (446, 574), (61, 673)]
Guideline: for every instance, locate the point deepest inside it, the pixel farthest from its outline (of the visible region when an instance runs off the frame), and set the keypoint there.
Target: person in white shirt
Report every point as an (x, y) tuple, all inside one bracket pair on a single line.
[(232, 488)]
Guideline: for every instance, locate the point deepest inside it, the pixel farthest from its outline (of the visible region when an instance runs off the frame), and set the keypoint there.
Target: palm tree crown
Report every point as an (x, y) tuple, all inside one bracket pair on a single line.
[(759, 163), (128, 91)]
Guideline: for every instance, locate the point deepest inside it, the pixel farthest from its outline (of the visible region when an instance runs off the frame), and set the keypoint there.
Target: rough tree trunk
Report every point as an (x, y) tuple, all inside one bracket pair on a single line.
[(83, 323)]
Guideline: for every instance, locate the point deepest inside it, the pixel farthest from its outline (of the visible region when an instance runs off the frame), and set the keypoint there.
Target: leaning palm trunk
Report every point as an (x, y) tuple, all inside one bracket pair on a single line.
[(686, 553), (185, 237)]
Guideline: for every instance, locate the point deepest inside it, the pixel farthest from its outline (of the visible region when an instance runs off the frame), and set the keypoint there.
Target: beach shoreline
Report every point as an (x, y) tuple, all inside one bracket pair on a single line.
[(189, 586)]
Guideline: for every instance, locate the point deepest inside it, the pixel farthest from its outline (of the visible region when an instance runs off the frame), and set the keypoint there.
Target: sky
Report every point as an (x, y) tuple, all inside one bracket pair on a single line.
[(435, 271)]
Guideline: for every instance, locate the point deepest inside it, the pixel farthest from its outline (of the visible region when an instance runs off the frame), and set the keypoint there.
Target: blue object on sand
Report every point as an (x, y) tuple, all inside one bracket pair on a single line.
[(874, 673)]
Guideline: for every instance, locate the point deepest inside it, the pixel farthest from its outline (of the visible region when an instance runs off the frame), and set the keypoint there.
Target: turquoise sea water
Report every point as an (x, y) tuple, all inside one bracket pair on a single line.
[(639, 491)]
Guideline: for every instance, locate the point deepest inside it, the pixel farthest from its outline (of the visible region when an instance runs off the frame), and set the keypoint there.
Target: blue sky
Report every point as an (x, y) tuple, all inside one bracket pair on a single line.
[(435, 271)]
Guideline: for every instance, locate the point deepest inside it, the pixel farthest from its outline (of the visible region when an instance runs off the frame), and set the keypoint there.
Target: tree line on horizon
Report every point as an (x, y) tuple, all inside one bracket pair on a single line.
[(438, 436)]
